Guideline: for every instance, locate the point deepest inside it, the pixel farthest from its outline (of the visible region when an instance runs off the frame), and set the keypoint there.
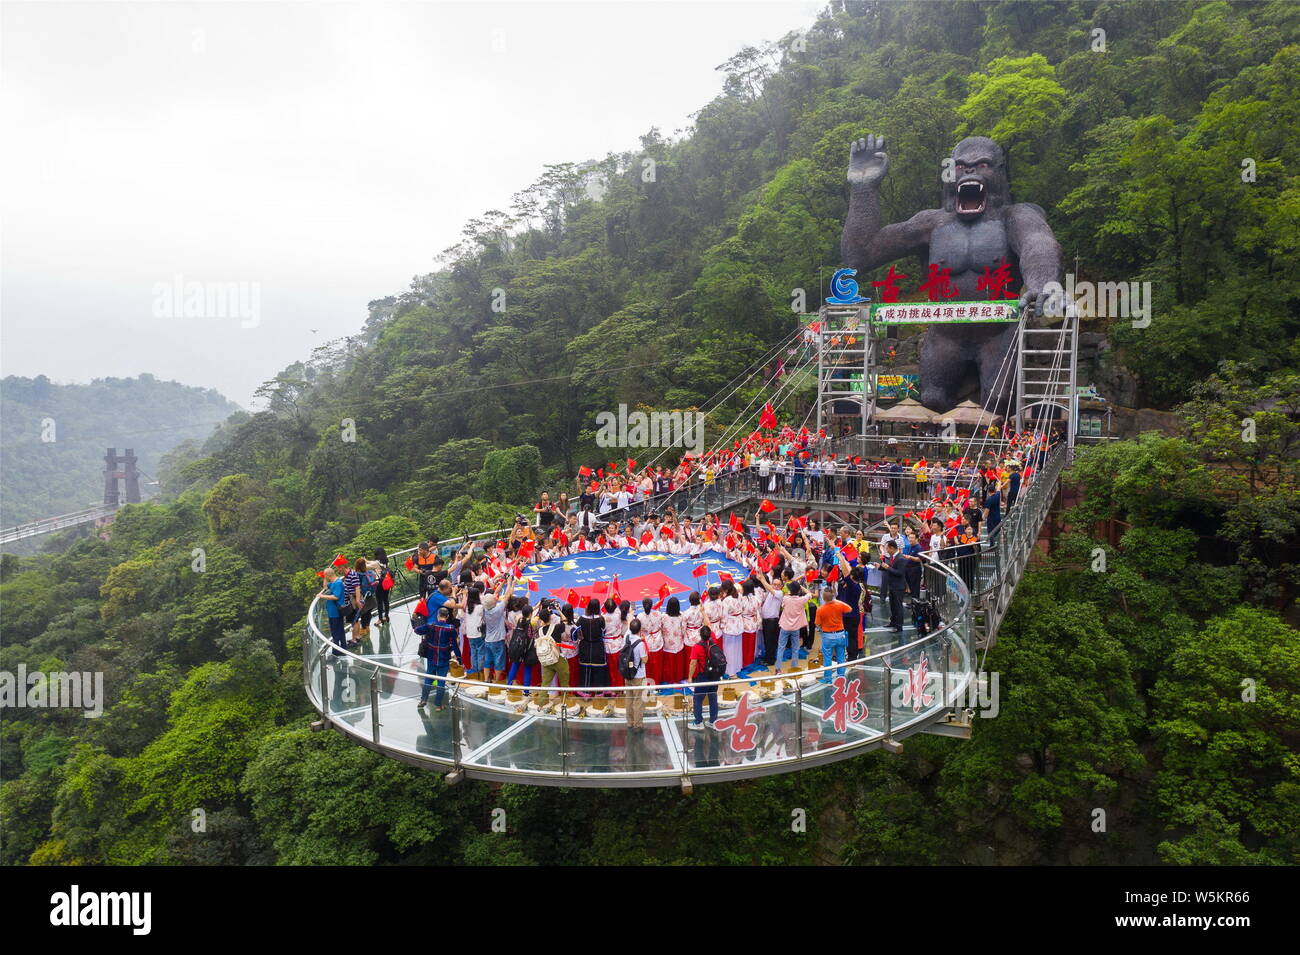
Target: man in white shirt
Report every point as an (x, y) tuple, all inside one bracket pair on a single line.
[(771, 613), (636, 697)]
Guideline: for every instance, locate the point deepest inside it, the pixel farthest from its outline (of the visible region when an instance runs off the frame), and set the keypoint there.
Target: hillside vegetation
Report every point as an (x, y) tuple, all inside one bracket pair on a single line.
[(1121, 690)]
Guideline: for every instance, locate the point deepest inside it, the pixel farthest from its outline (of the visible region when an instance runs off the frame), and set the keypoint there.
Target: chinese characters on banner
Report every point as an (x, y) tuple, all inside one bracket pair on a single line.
[(919, 312)]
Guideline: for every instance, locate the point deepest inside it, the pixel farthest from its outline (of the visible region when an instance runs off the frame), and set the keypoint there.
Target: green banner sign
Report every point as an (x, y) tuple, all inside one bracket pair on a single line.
[(940, 313)]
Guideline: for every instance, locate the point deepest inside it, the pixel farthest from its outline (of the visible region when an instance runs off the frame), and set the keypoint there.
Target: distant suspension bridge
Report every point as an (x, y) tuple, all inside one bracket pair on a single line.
[(121, 486)]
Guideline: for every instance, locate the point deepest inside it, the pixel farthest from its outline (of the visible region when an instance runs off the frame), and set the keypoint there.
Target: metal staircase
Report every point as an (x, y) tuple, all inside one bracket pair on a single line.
[(1045, 375)]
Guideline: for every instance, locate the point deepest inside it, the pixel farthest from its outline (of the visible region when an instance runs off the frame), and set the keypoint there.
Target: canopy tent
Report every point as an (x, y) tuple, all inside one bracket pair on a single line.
[(970, 414), (907, 411)]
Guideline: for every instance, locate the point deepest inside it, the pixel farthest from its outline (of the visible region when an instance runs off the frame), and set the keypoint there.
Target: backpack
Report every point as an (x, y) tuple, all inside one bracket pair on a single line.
[(925, 617), (419, 623), (518, 645), (548, 653), (627, 661), (715, 661)]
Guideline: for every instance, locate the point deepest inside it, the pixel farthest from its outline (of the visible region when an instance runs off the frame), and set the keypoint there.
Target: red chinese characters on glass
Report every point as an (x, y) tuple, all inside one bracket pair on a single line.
[(744, 734), (914, 694), (846, 704)]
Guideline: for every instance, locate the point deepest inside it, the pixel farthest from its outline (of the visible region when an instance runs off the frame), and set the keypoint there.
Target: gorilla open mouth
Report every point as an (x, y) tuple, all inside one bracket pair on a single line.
[(970, 197)]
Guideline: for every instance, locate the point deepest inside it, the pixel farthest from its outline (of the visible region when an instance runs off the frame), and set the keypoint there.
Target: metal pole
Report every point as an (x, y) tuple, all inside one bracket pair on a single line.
[(324, 684), (564, 735), (374, 705), (943, 659), (455, 726), (889, 702), (798, 717), (821, 351)]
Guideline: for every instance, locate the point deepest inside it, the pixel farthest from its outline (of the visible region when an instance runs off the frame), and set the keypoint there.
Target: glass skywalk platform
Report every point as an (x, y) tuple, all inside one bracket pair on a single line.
[(767, 723)]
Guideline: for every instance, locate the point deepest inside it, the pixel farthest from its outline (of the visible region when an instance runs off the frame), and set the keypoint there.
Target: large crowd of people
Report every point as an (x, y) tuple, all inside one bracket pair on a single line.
[(800, 466), (809, 588)]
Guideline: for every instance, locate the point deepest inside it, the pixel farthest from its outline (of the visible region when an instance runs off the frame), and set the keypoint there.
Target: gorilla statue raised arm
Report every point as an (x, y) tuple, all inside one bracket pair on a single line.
[(977, 228)]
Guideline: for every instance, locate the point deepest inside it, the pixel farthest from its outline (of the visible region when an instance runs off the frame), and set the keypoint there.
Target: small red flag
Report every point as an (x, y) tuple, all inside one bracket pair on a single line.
[(701, 570), (584, 471), (767, 507), (340, 561), (532, 585), (810, 575), (889, 511), (410, 564), (599, 587), (320, 573), (725, 577), (572, 597), (833, 576), (631, 464), (647, 537), (666, 532)]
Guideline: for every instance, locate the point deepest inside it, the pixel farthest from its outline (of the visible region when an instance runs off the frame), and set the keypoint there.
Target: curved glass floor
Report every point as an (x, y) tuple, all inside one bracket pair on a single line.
[(767, 723)]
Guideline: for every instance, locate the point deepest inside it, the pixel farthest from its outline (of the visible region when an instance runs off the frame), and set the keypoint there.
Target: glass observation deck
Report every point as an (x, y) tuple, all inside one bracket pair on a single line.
[(767, 723)]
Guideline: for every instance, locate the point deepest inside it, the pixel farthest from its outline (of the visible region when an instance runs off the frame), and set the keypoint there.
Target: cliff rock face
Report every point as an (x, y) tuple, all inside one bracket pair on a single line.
[(1098, 365)]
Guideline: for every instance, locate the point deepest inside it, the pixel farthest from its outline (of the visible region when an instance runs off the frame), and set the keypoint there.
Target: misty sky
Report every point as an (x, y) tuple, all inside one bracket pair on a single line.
[(323, 153)]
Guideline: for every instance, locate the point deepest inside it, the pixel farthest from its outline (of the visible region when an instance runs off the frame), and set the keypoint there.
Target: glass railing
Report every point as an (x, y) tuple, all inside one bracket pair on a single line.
[(768, 722)]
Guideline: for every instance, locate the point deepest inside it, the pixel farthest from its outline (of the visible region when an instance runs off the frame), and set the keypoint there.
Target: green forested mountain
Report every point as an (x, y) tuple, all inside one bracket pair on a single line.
[(602, 284), (54, 436)]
